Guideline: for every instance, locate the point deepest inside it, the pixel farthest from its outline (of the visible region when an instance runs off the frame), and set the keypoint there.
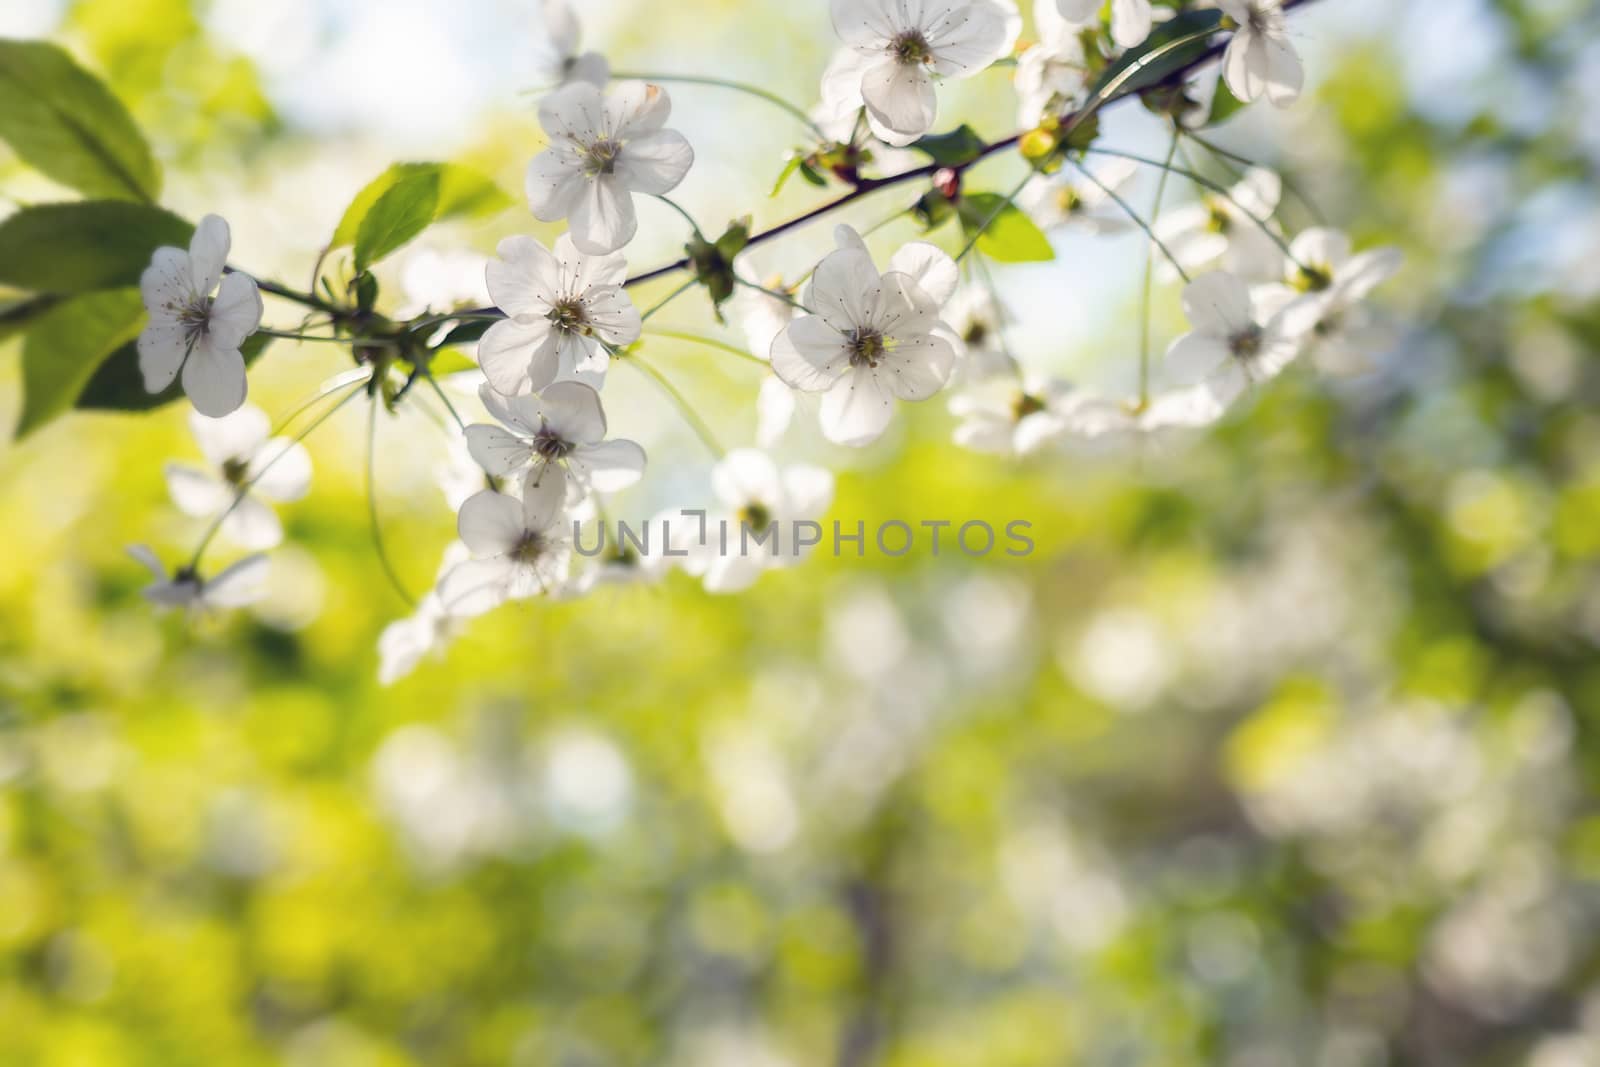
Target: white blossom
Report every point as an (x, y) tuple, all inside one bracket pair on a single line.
[(1105, 423), (190, 330), (560, 61), (241, 454), (237, 585), (1054, 202), (762, 316), (1232, 343), (870, 339), (405, 642), (1325, 296), (1013, 417), (752, 493), (978, 321), (1260, 60), (563, 427), (1226, 231), (1052, 73), (562, 311), (1131, 20), (520, 548), (894, 49), (604, 147)]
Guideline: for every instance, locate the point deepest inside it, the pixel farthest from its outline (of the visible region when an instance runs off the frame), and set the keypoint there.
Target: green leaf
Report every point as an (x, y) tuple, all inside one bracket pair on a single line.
[(404, 210), (789, 167), (64, 122), (66, 346), (449, 361), (462, 193), (1172, 46), (118, 385), (953, 149), (1011, 237), (83, 246), (18, 313), (1224, 105)]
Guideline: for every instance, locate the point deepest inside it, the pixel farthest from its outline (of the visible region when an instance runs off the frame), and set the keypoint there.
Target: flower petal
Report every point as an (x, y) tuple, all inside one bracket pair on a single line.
[(603, 220), (252, 525), (1195, 357), (208, 253), (810, 355), (635, 109), (281, 470), (655, 163), (572, 411), (236, 436), (525, 279), (518, 357), (167, 285), (609, 465), (214, 379), (490, 523), (236, 313), (857, 409), (554, 183), (196, 492), (901, 98), (497, 451), (1218, 304)]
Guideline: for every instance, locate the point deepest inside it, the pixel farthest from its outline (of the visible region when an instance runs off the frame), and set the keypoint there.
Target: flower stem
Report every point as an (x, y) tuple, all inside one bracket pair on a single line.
[(690, 415), (1216, 187), (243, 490), (445, 400), (725, 83), (972, 242), (709, 342), (674, 205), (669, 298), (1149, 273), (372, 508), (1138, 219), (1244, 161), (368, 342), (776, 294)]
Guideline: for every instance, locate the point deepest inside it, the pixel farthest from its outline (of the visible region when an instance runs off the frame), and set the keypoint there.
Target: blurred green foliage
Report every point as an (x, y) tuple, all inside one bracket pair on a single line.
[(1279, 751)]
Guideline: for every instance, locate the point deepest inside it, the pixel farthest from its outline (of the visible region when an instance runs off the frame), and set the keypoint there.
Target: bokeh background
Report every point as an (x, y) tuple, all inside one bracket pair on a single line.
[(1279, 752)]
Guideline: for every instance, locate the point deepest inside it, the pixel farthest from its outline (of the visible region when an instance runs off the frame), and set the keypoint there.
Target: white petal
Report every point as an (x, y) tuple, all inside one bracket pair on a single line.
[(236, 313), (971, 36), (573, 412), (844, 289), (603, 219), (810, 355), (1365, 272), (146, 555), (236, 436), (162, 348), (746, 476), (476, 586), (241, 583), (612, 315), (167, 284), (608, 466), (918, 368), (930, 267), (490, 523), (543, 503), (807, 490), (518, 357), (282, 470), (575, 112), (857, 409), (655, 163), (497, 451), (196, 492), (214, 379), (252, 524), (900, 97), (774, 410), (525, 279), (1195, 357), (208, 253), (1130, 22), (1218, 304), (554, 183), (635, 109)]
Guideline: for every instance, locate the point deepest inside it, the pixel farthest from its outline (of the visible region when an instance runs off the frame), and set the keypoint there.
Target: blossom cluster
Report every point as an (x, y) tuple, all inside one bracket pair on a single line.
[(862, 335)]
